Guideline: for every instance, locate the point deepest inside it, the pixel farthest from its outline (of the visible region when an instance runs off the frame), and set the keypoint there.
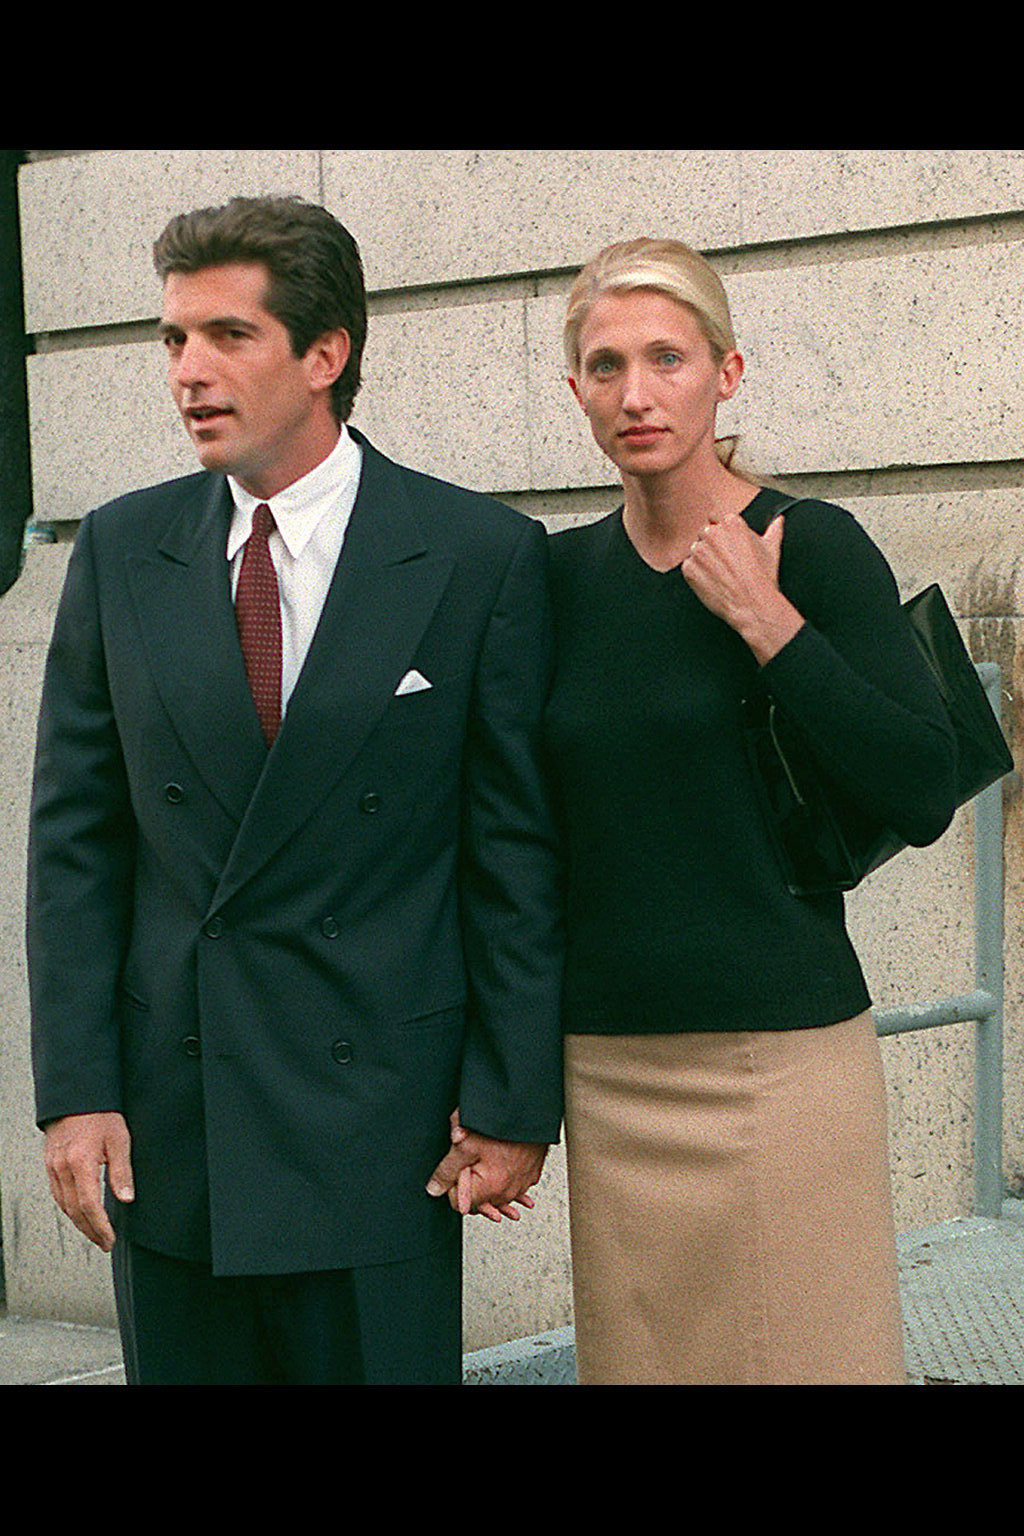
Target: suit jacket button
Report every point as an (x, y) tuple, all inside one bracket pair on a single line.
[(174, 793), (329, 928), (341, 1050), (191, 1045), (370, 802), (214, 928)]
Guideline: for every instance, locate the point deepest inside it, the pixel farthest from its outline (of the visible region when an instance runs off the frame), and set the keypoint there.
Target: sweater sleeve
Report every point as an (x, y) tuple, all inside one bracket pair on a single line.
[(853, 681)]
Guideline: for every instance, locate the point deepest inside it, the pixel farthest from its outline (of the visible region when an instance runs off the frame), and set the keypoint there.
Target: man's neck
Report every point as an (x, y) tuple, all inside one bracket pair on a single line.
[(270, 482)]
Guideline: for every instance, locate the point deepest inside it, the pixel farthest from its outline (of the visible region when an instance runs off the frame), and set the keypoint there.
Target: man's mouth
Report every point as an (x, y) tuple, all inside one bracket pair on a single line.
[(203, 414)]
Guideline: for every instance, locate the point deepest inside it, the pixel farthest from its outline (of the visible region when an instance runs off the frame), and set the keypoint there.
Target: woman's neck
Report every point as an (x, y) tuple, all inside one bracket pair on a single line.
[(664, 514)]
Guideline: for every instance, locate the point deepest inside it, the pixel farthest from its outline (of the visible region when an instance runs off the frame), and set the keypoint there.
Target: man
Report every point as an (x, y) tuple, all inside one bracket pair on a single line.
[(293, 927)]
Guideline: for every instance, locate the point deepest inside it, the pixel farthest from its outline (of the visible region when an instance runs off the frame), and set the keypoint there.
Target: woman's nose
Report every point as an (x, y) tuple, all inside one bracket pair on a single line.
[(635, 390)]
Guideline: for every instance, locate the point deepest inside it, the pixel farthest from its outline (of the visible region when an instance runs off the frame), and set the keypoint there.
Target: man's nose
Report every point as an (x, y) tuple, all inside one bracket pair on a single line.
[(191, 365)]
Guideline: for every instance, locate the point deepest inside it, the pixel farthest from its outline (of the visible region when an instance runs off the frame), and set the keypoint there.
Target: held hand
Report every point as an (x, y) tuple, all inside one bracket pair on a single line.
[(487, 1177), (735, 573), (77, 1148)]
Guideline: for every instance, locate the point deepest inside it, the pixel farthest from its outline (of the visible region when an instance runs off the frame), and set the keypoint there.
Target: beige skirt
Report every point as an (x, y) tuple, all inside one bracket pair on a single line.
[(730, 1208)]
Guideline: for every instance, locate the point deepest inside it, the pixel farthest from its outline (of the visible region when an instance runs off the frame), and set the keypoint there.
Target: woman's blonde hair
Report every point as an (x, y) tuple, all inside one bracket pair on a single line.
[(666, 266)]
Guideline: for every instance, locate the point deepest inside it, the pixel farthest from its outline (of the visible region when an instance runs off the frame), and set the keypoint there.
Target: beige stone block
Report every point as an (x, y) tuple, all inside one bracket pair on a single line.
[(102, 423), (444, 391), (89, 222), (432, 216), (888, 360), (1001, 640), (28, 608), (790, 194), (969, 541), (912, 926)]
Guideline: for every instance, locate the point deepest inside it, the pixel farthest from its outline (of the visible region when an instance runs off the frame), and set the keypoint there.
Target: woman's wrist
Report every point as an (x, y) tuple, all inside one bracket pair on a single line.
[(771, 628)]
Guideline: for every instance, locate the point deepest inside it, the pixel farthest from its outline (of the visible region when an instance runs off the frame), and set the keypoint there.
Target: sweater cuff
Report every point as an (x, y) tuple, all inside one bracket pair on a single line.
[(798, 658)]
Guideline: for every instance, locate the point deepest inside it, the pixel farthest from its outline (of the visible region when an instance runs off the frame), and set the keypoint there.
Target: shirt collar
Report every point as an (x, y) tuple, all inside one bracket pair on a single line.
[(300, 506)]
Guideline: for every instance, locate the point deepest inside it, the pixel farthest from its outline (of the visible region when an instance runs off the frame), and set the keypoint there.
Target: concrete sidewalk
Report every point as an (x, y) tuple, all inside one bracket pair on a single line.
[(962, 1284)]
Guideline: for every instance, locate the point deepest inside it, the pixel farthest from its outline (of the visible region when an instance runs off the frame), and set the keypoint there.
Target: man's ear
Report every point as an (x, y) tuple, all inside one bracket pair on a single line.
[(326, 358), (576, 391)]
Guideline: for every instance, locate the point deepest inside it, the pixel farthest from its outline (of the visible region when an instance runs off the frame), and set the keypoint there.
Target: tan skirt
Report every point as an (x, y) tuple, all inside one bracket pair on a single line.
[(730, 1208)]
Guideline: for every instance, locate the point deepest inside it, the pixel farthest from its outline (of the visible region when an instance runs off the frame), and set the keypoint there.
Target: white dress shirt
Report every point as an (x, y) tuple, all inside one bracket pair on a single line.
[(311, 518)]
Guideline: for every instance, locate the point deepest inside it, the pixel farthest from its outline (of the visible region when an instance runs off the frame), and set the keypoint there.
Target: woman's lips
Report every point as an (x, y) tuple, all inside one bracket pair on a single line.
[(638, 437)]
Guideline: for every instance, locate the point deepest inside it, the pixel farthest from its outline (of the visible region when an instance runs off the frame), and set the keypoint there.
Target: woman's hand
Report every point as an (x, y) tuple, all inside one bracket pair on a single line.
[(735, 573)]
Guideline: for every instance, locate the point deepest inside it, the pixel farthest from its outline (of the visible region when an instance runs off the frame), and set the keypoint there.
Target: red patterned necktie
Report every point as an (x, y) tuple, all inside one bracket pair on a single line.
[(258, 614)]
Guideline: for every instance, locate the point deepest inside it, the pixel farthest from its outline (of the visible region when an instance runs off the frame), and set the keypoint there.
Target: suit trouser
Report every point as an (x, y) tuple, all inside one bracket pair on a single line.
[(388, 1324)]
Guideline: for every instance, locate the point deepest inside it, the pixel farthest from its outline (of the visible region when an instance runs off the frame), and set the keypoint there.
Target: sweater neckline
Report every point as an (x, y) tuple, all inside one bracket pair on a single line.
[(623, 538)]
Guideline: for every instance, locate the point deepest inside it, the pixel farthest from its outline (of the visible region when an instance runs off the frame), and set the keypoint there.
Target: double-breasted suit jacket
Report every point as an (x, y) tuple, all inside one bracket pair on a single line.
[(286, 968)]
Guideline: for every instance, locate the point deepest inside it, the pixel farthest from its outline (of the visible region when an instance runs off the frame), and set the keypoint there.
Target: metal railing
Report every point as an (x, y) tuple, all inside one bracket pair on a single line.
[(985, 1004)]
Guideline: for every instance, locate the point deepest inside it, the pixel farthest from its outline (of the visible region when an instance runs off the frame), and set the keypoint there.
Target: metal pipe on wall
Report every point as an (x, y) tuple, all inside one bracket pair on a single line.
[(988, 949)]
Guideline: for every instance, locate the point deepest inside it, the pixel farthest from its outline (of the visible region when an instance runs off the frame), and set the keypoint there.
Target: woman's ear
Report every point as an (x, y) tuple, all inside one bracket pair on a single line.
[(576, 391), (729, 375)]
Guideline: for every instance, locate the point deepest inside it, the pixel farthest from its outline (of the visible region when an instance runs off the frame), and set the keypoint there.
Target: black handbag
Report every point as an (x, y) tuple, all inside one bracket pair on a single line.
[(824, 839)]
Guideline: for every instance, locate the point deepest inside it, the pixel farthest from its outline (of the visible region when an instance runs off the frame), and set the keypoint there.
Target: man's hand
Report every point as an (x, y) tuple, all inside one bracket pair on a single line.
[(77, 1148), (487, 1177)]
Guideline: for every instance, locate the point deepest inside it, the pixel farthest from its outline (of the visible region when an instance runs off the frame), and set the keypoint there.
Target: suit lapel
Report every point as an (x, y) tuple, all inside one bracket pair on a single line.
[(182, 595), (385, 589)]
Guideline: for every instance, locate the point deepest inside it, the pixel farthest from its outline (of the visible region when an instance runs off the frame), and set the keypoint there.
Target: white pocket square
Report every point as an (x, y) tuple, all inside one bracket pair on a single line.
[(412, 682)]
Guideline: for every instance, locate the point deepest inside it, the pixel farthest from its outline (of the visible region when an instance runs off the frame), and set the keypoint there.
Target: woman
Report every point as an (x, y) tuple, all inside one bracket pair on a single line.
[(730, 1208)]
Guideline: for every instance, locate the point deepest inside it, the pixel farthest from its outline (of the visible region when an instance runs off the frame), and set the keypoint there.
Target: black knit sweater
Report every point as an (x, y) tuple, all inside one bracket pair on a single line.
[(678, 916)]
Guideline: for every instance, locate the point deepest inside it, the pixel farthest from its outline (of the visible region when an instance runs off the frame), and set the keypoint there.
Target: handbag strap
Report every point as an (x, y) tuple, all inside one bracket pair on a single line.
[(781, 755), (771, 515), (780, 508)]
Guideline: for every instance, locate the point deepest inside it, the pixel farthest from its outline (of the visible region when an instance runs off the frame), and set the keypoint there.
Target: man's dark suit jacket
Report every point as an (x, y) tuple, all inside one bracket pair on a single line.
[(287, 968)]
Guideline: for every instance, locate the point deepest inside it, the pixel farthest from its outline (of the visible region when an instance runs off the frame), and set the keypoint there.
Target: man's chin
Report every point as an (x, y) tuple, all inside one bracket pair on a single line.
[(214, 456)]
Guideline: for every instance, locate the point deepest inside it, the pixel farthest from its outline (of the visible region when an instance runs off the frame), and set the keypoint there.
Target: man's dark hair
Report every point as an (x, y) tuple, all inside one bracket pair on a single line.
[(316, 275)]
